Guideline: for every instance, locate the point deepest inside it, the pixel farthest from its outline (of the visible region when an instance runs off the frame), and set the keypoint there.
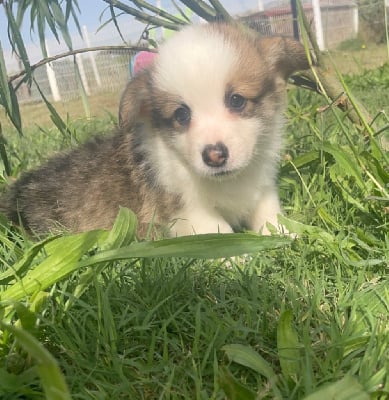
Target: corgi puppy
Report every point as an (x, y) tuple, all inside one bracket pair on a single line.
[(197, 148)]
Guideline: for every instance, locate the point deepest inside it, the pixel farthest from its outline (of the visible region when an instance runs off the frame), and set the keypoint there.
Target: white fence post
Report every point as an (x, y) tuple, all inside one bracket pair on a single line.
[(356, 19), (84, 79), (318, 24), (52, 79), (91, 56)]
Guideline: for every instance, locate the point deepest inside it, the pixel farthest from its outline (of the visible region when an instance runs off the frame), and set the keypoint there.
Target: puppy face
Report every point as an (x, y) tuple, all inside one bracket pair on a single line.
[(214, 95)]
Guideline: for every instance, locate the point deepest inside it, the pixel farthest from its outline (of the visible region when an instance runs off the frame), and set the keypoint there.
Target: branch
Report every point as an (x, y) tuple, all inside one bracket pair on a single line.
[(79, 51)]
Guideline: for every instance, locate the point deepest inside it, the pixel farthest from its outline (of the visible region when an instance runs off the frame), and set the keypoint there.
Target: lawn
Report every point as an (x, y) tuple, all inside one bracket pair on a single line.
[(100, 315)]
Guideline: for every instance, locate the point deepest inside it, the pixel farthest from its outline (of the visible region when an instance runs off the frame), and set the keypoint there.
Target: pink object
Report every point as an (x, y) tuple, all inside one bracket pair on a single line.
[(142, 60)]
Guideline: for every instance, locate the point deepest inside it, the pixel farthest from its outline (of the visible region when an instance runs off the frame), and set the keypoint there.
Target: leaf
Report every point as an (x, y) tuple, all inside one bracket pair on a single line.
[(60, 20), (246, 356), (212, 245), (63, 256), (27, 317), (347, 388), (17, 42), (55, 117), (288, 346), (371, 303), (121, 234), (345, 162), (301, 161), (4, 155), (52, 379), (22, 265), (233, 389), (301, 229), (8, 97)]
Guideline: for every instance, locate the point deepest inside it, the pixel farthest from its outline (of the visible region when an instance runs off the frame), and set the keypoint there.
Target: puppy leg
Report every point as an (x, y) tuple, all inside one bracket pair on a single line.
[(267, 209), (198, 221)]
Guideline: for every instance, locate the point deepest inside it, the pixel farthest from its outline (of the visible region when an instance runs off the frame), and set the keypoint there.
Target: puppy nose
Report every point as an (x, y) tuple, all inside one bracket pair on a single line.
[(215, 155)]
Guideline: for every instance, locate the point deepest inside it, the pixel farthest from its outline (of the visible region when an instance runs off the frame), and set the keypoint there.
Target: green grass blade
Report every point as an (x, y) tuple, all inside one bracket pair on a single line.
[(17, 42), (52, 379), (23, 264), (8, 97), (347, 388), (55, 117), (246, 356), (233, 389), (345, 162), (196, 246), (288, 346), (63, 256), (122, 234)]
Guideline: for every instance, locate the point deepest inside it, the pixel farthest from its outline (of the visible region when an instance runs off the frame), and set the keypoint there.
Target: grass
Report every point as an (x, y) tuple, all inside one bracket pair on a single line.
[(294, 319)]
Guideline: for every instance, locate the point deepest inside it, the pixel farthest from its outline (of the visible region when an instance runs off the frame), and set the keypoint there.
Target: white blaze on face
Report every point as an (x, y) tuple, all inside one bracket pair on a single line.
[(197, 66)]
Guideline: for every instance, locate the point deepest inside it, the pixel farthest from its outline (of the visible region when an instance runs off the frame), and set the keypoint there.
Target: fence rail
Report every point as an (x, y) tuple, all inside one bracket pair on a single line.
[(106, 71)]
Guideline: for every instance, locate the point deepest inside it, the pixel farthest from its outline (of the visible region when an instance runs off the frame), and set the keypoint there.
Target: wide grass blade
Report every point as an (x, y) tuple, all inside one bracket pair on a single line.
[(8, 97), (347, 388), (288, 346), (246, 356), (19, 268), (52, 379), (63, 255), (233, 389), (197, 246)]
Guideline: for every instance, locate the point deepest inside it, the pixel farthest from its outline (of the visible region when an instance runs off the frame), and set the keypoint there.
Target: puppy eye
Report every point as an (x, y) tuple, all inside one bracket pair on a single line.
[(182, 115), (236, 102)]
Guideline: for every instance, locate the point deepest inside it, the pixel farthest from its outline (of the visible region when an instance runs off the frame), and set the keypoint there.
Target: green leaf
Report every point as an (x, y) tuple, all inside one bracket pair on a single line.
[(24, 263), (4, 155), (123, 230), (8, 97), (301, 229), (60, 20), (233, 389), (246, 356), (52, 379), (63, 256), (17, 41), (212, 245), (370, 304), (302, 161), (121, 234), (288, 346), (27, 317), (55, 117), (347, 388), (345, 162)]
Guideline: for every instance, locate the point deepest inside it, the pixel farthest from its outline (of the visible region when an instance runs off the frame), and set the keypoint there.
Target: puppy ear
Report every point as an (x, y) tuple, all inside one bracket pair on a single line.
[(285, 55), (134, 104)]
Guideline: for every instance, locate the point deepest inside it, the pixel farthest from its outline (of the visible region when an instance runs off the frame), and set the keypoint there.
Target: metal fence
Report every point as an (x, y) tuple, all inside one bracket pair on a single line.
[(105, 71), (60, 81), (333, 23)]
